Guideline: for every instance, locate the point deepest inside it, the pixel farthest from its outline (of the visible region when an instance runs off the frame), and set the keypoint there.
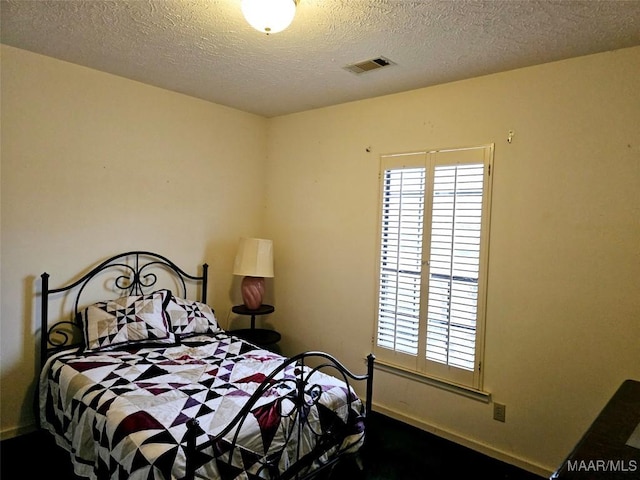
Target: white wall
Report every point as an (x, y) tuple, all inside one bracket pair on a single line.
[(94, 165), (563, 319)]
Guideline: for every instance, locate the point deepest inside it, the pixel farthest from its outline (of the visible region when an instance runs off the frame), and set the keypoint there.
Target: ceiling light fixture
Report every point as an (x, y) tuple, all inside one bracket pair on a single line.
[(269, 16)]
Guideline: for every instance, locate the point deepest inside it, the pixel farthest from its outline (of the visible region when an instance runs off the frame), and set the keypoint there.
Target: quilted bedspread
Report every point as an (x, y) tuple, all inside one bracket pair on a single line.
[(123, 414)]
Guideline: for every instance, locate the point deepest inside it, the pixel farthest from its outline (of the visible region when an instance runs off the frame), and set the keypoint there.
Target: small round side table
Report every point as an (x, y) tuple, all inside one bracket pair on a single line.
[(258, 336)]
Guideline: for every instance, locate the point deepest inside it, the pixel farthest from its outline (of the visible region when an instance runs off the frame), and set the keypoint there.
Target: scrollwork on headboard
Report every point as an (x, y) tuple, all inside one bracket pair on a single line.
[(136, 275)]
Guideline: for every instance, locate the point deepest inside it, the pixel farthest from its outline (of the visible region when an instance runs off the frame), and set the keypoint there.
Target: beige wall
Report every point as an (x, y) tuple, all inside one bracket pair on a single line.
[(563, 320), (79, 146), (94, 165)]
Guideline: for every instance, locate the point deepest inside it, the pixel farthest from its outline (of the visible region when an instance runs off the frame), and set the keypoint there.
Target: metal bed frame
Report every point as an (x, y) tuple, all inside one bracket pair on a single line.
[(136, 274)]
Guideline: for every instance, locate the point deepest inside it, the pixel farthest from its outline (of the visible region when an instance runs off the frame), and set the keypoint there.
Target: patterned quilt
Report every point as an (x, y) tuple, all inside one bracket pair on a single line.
[(123, 414)]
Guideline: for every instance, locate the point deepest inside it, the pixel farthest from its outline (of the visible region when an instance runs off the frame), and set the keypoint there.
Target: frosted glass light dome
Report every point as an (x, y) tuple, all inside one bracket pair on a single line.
[(269, 16)]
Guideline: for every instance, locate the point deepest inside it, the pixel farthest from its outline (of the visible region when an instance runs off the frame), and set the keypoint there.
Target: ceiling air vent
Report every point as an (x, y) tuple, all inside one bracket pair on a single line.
[(369, 65)]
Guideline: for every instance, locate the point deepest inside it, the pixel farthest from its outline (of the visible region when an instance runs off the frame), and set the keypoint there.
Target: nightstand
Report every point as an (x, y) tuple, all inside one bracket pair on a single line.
[(262, 337)]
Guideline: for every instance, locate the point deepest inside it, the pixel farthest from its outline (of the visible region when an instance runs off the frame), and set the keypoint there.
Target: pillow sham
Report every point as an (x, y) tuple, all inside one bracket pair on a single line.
[(136, 320), (190, 318)]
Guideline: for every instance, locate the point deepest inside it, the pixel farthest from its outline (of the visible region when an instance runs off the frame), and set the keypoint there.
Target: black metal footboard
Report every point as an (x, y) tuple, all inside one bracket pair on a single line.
[(327, 441)]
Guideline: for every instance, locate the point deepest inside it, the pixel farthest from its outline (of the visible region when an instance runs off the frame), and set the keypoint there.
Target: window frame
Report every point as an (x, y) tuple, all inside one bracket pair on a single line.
[(419, 366)]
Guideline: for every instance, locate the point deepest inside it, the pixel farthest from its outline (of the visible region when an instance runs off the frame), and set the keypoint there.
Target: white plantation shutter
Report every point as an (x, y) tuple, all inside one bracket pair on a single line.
[(400, 259), (433, 251), (454, 264)]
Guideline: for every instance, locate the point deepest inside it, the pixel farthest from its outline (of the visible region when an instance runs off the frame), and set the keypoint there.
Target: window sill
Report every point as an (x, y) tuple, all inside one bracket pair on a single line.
[(472, 393)]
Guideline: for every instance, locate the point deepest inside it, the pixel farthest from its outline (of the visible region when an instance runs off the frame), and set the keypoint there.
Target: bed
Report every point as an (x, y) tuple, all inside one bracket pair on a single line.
[(143, 383)]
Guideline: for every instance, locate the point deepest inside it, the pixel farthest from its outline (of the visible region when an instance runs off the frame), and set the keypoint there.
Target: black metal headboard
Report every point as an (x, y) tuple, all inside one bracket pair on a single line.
[(136, 275)]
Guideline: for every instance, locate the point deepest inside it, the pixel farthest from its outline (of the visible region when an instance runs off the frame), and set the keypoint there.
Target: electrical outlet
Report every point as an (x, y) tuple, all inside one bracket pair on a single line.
[(499, 412)]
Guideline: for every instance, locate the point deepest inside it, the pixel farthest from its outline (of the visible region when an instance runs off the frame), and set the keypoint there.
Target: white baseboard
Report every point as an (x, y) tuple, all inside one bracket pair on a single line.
[(8, 433), (466, 442)]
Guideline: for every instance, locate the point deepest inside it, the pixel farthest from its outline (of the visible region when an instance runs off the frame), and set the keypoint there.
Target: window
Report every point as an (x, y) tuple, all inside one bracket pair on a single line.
[(434, 230)]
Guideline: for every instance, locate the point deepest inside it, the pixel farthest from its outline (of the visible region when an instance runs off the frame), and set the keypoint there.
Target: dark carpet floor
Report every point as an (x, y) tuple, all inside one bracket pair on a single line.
[(397, 451), (394, 451)]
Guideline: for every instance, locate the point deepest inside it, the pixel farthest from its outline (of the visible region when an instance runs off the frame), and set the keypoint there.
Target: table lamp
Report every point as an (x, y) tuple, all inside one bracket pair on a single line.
[(254, 260)]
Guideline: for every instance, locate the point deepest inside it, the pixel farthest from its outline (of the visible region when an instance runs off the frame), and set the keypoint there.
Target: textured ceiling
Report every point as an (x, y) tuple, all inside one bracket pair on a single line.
[(204, 48)]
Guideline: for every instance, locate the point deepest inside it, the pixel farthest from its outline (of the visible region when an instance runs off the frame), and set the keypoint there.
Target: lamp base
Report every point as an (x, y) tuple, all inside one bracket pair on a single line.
[(252, 289)]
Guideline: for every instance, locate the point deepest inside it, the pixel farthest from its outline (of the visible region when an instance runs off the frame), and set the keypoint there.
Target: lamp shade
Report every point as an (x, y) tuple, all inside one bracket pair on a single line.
[(269, 16), (254, 258)]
